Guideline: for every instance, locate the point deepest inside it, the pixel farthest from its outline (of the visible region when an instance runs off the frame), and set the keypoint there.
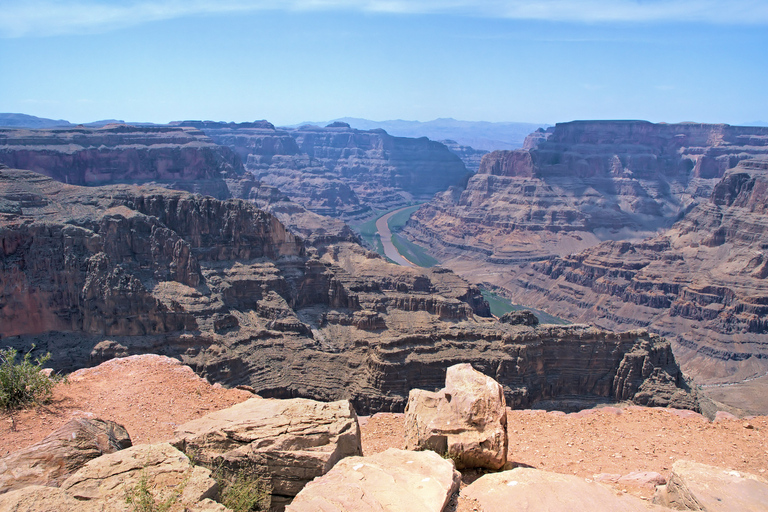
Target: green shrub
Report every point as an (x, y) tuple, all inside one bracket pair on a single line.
[(23, 384), (243, 491), (142, 500)]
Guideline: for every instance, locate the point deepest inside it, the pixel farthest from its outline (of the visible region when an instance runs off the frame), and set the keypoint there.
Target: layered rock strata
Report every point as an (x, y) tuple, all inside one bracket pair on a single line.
[(176, 157), (701, 284), (337, 170), (91, 273), (586, 182)]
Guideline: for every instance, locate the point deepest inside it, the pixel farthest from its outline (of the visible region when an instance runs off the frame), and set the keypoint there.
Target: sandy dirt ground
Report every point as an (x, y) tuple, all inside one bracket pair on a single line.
[(151, 395)]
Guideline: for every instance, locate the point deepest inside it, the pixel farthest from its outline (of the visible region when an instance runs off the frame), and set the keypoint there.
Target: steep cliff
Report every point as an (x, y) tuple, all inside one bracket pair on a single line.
[(175, 157), (586, 182), (337, 170), (90, 273), (702, 284)]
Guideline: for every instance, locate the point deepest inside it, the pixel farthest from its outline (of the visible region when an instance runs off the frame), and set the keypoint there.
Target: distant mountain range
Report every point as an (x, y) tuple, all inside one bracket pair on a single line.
[(8, 120), (477, 134)]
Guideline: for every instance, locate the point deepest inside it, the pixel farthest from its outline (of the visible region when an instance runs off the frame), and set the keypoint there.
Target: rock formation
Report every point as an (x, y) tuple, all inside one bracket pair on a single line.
[(180, 158), (152, 472), (466, 420), (393, 480), (61, 453), (585, 182), (701, 284), (286, 443), (534, 490), (337, 170), (694, 486), (88, 273)]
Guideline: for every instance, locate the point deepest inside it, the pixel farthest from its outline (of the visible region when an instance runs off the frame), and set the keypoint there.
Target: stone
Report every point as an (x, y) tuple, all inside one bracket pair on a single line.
[(520, 318), (725, 416), (106, 482), (466, 420), (533, 490), (61, 453), (285, 442), (393, 480), (695, 486), (643, 478)]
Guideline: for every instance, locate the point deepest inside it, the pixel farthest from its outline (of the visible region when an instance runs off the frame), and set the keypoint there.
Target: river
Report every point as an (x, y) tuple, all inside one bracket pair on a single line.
[(382, 225)]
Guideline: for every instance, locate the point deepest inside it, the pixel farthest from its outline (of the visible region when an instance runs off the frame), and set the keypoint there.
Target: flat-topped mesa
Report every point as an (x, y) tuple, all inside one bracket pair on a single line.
[(584, 182), (341, 171), (177, 157), (91, 273)]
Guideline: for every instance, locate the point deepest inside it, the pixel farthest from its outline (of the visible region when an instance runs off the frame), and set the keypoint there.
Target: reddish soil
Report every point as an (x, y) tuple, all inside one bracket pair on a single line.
[(151, 395)]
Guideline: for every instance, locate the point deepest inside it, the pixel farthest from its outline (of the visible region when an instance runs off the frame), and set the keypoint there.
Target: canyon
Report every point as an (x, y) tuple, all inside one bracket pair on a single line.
[(337, 170), (91, 273), (624, 225)]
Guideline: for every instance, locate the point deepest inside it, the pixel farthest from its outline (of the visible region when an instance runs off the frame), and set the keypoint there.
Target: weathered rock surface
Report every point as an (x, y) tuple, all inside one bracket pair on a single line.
[(533, 490), (105, 483), (337, 170), (586, 182), (393, 480), (694, 486), (176, 157), (701, 284), (285, 442), (93, 273), (60, 454), (469, 155), (466, 420)]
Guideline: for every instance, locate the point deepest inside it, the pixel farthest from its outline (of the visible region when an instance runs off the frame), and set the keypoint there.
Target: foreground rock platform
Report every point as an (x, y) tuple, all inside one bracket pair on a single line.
[(107, 482), (61, 453), (694, 486), (393, 481), (534, 490), (287, 443)]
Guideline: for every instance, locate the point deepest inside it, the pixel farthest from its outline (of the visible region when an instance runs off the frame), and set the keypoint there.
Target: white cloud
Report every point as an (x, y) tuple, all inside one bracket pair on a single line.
[(50, 17)]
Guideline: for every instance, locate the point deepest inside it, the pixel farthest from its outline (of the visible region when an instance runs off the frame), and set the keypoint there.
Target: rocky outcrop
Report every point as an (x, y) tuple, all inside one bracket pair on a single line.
[(586, 182), (140, 475), (394, 480), (694, 486), (340, 171), (286, 443), (535, 490), (700, 284), (176, 157), (92, 273), (466, 420), (469, 155), (61, 453)]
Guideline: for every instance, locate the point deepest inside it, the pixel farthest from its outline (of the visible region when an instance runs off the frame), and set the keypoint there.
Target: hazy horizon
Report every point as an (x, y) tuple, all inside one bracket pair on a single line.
[(297, 60)]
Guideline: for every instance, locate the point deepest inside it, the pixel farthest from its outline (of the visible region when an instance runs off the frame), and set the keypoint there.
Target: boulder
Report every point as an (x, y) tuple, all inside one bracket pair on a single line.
[(285, 442), (158, 473), (533, 490), (466, 420), (694, 486), (524, 317), (394, 480), (61, 453)]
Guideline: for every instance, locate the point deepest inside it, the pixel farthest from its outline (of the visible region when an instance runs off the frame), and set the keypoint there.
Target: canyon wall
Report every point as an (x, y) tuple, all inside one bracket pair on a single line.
[(176, 157), (585, 182), (91, 273), (702, 284), (337, 170)]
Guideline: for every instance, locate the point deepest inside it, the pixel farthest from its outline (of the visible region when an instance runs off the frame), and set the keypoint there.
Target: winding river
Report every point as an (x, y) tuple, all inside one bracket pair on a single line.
[(382, 225)]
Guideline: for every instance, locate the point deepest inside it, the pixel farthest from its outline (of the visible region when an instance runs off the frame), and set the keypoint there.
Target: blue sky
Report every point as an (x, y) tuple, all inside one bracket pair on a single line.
[(296, 60)]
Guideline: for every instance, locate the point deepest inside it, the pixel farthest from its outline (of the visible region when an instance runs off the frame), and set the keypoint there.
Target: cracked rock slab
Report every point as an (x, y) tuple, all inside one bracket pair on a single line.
[(694, 486), (533, 490), (393, 481)]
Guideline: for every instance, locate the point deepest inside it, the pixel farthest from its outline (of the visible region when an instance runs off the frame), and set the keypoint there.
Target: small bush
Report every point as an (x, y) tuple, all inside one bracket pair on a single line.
[(142, 500), (243, 491), (23, 384)]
